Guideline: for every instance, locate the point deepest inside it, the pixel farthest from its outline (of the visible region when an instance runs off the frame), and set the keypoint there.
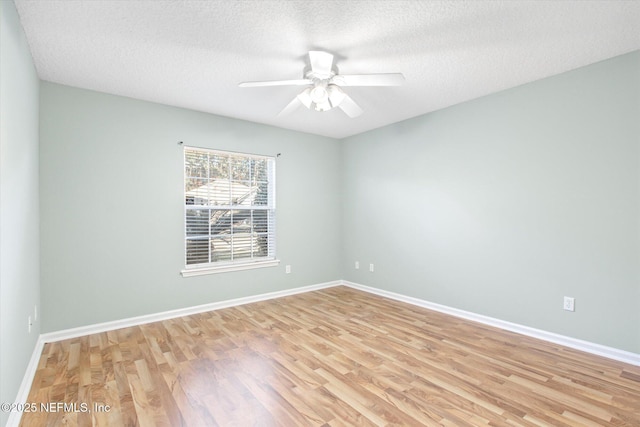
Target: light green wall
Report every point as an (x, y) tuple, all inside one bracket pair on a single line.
[(503, 205), (19, 222), (112, 207)]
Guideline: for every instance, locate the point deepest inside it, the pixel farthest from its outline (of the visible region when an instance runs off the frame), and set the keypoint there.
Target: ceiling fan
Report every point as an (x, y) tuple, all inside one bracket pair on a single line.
[(324, 85)]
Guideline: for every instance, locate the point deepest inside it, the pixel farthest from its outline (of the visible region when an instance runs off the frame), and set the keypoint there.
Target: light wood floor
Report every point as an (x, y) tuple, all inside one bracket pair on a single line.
[(335, 357)]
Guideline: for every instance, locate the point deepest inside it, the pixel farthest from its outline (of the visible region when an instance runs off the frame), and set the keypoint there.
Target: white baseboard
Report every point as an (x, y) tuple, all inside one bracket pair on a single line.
[(171, 314), (32, 367), (586, 346), (589, 347), (27, 380)]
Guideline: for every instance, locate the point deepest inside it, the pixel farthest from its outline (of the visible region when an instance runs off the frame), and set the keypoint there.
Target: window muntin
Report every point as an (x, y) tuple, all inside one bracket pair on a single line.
[(229, 208)]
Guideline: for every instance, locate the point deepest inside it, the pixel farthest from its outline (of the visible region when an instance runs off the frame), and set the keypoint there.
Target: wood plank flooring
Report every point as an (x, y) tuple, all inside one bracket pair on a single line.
[(334, 357)]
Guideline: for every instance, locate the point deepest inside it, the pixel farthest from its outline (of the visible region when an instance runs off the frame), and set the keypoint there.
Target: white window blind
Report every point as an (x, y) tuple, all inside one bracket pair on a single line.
[(229, 208)]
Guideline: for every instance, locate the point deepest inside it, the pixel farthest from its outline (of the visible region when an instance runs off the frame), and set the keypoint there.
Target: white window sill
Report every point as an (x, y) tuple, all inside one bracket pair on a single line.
[(200, 271)]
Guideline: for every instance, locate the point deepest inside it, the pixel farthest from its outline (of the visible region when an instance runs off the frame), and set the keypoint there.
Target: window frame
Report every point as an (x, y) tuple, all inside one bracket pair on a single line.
[(243, 263)]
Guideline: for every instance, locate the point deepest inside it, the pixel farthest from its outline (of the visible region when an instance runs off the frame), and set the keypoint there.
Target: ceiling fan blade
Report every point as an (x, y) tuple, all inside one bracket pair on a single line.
[(300, 82), (321, 62), (388, 79), (350, 107), (291, 107)]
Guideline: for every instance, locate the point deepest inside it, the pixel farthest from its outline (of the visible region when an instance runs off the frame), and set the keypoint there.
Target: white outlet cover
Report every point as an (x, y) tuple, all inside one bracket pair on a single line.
[(569, 304)]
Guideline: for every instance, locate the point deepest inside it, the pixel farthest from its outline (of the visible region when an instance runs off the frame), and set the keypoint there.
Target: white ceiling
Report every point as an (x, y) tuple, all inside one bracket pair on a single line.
[(193, 54)]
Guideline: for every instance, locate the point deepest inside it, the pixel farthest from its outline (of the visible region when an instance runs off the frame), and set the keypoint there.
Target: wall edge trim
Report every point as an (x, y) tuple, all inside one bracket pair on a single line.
[(171, 314), (32, 367), (27, 380), (574, 343)]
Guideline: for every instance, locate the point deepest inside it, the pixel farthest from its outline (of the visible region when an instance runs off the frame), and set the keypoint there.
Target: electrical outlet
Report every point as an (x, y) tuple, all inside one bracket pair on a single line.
[(357, 265), (287, 269), (371, 268), (30, 324), (569, 304)]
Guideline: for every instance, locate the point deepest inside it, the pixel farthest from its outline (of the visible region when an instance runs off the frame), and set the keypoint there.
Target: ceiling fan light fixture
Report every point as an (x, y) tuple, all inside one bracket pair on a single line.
[(319, 94), (322, 106), (326, 97)]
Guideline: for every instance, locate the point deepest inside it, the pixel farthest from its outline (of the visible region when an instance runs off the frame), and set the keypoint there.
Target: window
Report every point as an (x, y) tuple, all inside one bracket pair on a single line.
[(229, 211)]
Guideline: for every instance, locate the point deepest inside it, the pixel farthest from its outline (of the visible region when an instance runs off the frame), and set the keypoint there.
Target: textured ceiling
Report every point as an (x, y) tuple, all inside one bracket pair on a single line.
[(193, 54)]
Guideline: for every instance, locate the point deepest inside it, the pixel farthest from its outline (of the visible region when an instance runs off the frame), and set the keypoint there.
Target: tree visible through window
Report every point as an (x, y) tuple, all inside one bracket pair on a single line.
[(229, 207)]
